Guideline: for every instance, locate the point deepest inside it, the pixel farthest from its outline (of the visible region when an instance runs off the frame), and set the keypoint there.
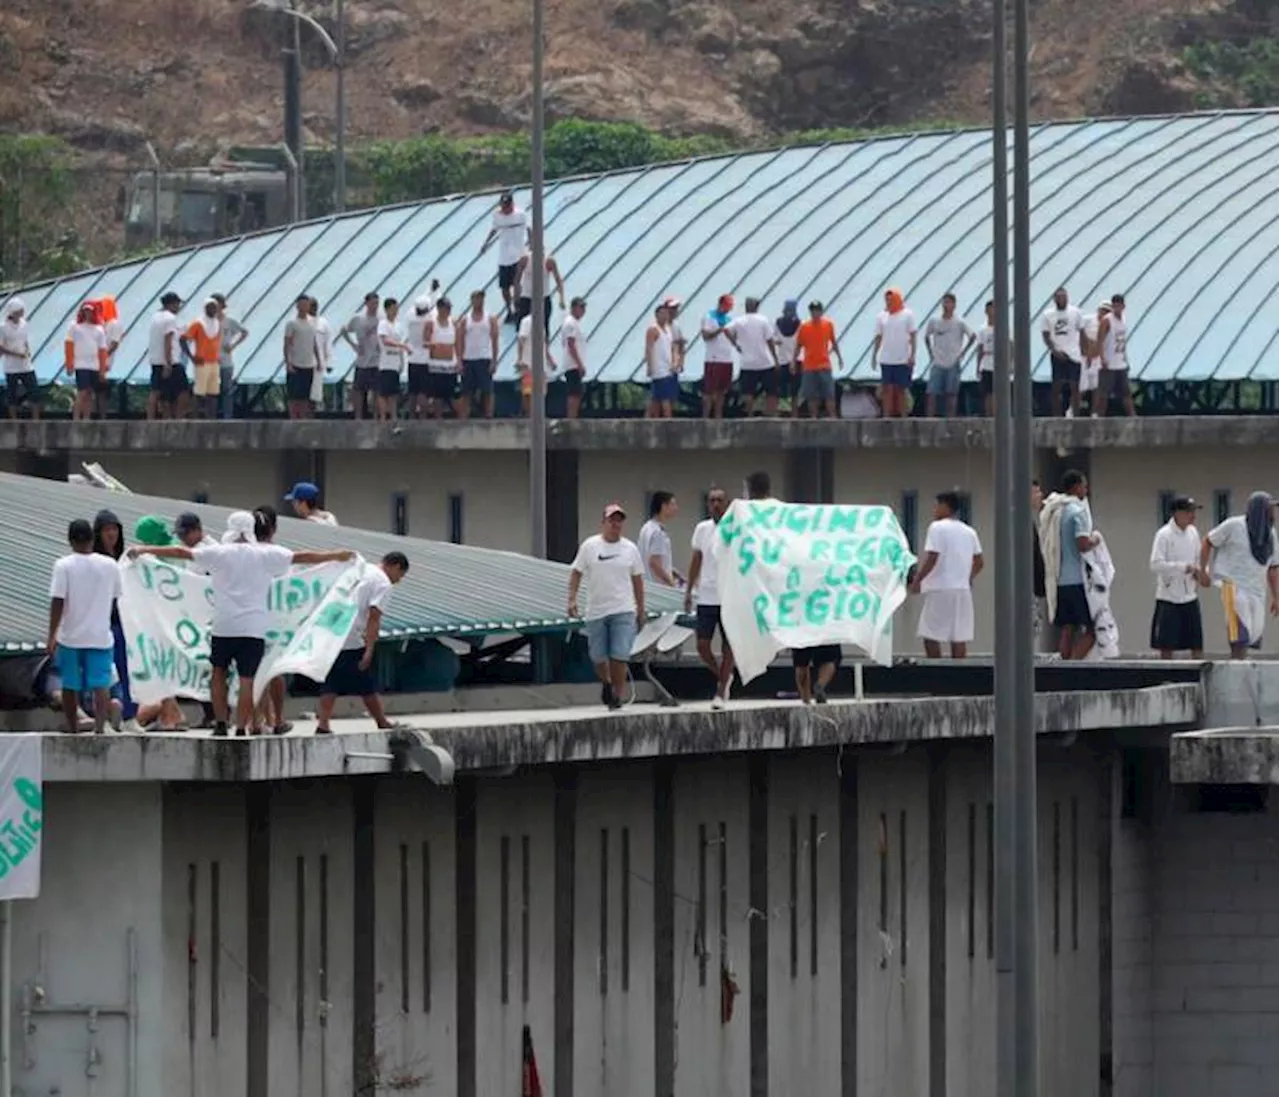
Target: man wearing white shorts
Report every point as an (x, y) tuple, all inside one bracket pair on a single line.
[(952, 558), (1091, 370)]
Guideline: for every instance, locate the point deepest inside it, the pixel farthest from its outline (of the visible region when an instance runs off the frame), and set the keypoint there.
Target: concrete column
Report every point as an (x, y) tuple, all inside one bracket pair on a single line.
[(301, 464), (465, 913), (364, 923), (810, 476), (258, 946), (562, 505), (49, 464)]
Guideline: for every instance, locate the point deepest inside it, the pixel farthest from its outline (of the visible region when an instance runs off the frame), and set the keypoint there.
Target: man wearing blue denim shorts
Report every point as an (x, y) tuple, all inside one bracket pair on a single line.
[(82, 594), (948, 339), (614, 573)]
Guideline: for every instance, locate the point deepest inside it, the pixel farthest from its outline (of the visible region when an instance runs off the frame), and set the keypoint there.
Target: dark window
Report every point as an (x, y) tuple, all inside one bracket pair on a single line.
[(455, 519), (966, 508), (1231, 799), (201, 497), (909, 517), (400, 514), (1221, 506), (1164, 507)]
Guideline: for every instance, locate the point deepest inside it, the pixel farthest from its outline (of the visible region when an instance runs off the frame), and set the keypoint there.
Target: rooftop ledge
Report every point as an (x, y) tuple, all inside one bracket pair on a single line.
[(492, 740), (630, 434), (1226, 756)]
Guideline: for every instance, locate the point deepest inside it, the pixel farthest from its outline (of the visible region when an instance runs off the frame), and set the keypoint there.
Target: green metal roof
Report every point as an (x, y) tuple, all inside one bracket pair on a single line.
[(451, 590)]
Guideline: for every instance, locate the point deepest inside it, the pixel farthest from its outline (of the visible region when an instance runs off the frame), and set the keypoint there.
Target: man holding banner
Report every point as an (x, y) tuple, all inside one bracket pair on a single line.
[(242, 571)]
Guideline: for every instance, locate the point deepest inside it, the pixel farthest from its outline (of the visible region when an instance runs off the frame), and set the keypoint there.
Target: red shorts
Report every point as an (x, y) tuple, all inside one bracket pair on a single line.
[(717, 377)]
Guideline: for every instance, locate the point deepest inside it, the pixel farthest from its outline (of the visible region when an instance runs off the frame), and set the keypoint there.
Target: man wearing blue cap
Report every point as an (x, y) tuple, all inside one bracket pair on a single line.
[(305, 498)]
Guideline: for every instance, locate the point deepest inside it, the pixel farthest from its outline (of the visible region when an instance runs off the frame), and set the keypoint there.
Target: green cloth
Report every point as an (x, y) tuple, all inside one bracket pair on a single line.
[(152, 531)]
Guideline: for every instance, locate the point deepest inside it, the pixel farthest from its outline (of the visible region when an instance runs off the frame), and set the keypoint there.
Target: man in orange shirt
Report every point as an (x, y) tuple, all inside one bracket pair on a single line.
[(815, 343), (202, 343)]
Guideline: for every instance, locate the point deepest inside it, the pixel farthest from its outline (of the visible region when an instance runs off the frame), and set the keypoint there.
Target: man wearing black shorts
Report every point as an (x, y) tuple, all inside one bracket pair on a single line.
[(301, 359), (478, 343), (1062, 328), (361, 335), (168, 376), (704, 581), (574, 341), (351, 674), (511, 229), (1072, 616), (813, 687), (756, 338), (1175, 562)]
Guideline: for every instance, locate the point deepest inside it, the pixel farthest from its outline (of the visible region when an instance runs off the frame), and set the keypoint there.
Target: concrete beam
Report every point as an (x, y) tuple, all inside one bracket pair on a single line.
[(483, 741), (629, 435), (1225, 756)]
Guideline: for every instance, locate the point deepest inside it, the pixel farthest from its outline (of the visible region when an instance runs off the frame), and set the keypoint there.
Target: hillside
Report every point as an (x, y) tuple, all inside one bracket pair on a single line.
[(189, 74)]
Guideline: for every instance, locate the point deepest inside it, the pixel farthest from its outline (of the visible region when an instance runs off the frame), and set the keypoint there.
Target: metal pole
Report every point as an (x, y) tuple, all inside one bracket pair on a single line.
[(1005, 775), (6, 1003), (155, 195), (538, 333), (340, 78), (1026, 906)]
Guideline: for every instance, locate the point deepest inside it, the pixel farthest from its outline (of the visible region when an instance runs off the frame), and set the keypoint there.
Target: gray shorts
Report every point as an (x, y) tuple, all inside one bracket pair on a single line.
[(816, 386)]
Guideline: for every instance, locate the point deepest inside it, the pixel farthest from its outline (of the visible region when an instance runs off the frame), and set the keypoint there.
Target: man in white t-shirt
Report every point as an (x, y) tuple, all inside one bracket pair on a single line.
[(704, 583), (15, 349), (757, 341), (1112, 347), (324, 351), (392, 351), (1062, 329), (168, 375), (952, 558), (895, 351), (718, 345), (82, 593), (611, 566), (654, 542), (510, 228), (573, 342), (1091, 366), (1239, 557), (351, 674), (241, 569), (85, 359)]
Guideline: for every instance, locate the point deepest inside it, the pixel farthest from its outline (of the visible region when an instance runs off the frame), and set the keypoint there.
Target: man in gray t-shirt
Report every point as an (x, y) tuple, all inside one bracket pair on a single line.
[(948, 338), (361, 335), (301, 359), (233, 334)]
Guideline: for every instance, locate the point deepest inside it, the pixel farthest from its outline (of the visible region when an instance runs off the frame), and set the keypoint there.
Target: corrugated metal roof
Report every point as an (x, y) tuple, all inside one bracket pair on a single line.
[(1178, 213), (451, 590)]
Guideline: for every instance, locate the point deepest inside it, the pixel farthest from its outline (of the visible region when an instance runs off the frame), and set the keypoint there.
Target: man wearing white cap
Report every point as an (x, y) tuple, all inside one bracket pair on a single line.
[(242, 571), (614, 574), (15, 350)]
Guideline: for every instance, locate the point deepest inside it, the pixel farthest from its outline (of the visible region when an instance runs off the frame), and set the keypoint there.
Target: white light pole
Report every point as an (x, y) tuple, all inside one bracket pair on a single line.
[(338, 55), (537, 331)]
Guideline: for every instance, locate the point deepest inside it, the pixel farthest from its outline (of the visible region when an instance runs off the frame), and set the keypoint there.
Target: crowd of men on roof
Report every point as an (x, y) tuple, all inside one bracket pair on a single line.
[(431, 361)]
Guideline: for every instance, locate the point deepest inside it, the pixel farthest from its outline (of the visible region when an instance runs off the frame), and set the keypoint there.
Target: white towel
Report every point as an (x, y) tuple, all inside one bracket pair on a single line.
[(1051, 543), (1100, 575)]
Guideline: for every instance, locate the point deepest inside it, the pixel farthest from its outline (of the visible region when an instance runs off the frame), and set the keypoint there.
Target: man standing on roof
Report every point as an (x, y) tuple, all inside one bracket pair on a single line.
[(524, 365), (1091, 367), (361, 335), (718, 347), (324, 353), (760, 370), (305, 500), (551, 279), (786, 327), (85, 357), (948, 339), (83, 592), (511, 229), (895, 350), (392, 349), (301, 359), (614, 573), (415, 336), (168, 377), (478, 352), (15, 349), (1113, 337), (440, 334), (113, 328), (664, 382), (202, 343), (351, 674), (815, 344), (679, 345), (704, 580), (573, 342), (654, 542), (233, 334), (242, 570), (1062, 329)]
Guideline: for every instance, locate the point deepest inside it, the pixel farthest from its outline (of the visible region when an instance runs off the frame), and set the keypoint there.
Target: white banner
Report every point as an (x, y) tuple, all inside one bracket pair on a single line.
[(21, 816), (167, 613), (793, 575)]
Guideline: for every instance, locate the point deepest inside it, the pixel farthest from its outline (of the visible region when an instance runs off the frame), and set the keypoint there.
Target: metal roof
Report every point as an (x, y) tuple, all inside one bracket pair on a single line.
[(450, 590), (1179, 213)]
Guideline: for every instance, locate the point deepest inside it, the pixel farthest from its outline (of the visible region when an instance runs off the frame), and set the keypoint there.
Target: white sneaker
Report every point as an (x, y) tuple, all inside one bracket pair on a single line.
[(717, 703), (1071, 413)]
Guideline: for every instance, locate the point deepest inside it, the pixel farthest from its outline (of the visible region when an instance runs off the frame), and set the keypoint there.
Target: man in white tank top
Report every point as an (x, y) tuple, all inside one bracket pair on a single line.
[(1091, 368), (440, 337), (659, 359), (415, 331), (1113, 335), (552, 279), (478, 352)]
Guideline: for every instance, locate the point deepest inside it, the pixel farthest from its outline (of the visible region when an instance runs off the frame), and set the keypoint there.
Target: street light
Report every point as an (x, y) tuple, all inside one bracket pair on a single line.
[(537, 331), (337, 51)]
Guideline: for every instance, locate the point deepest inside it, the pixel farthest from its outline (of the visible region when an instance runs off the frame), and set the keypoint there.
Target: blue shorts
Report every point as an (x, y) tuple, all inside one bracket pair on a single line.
[(84, 668), (899, 376), (610, 637), (664, 390), (944, 380)]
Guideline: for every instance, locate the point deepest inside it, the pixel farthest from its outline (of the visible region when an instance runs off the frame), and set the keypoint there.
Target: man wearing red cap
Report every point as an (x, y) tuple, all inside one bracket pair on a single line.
[(717, 373)]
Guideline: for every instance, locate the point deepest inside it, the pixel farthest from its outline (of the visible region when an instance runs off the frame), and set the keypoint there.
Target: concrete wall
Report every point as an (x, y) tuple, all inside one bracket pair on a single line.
[(235, 479)]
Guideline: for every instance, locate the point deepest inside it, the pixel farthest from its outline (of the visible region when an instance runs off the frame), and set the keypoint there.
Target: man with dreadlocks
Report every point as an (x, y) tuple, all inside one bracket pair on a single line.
[(1240, 555)]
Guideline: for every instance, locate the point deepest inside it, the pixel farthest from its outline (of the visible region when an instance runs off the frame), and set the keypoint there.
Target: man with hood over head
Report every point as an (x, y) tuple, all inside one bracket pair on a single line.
[(1239, 557)]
